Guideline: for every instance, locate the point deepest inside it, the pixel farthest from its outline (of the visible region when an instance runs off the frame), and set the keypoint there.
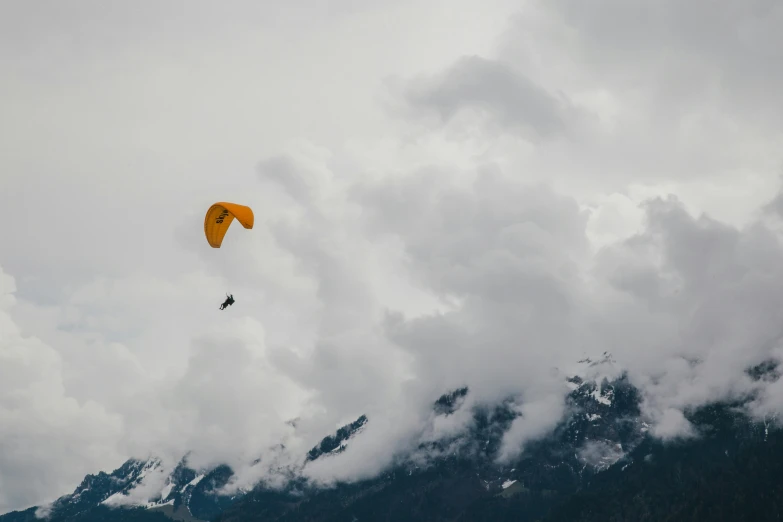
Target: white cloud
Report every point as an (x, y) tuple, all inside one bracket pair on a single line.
[(393, 258), (40, 423), (600, 453), (537, 418), (673, 424)]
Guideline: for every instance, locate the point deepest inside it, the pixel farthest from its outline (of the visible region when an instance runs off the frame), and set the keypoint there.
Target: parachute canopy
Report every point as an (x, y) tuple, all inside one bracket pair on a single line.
[(219, 218)]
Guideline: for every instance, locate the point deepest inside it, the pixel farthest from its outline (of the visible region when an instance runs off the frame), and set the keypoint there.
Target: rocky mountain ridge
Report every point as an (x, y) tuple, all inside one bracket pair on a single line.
[(601, 432)]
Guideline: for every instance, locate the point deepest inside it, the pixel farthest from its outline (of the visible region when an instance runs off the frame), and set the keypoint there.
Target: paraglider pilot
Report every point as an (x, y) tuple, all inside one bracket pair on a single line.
[(228, 302)]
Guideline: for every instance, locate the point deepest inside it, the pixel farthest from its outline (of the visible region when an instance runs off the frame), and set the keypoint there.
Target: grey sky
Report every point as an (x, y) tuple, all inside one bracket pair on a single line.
[(395, 255)]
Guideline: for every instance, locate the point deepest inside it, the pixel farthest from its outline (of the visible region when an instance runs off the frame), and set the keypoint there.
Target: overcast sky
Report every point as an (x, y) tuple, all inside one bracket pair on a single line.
[(446, 193)]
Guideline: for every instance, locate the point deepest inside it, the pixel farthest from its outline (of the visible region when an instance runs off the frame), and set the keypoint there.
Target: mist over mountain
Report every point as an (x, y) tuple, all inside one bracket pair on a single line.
[(598, 462)]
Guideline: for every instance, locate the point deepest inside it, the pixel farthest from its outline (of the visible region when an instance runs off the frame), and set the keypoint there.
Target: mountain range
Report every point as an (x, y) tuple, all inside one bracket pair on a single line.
[(599, 463)]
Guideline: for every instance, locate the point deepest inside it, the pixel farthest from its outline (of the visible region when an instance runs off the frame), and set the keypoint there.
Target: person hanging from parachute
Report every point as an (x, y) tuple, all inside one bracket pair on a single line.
[(216, 222), (228, 302)]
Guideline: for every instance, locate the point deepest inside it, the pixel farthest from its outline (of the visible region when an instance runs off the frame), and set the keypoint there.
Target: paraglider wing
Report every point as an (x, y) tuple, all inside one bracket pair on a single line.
[(219, 218)]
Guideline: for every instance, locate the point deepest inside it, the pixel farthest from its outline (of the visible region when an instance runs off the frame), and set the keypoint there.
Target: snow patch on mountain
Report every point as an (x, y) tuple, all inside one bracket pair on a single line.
[(604, 397), (195, 481), (167, 489)]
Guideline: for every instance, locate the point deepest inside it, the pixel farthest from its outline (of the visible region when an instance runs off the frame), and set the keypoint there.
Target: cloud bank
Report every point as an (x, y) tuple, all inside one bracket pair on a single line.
[(581, 188)]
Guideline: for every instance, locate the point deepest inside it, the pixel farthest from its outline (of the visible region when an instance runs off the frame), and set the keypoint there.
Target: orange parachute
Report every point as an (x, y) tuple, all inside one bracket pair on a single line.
[(219, 218)]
